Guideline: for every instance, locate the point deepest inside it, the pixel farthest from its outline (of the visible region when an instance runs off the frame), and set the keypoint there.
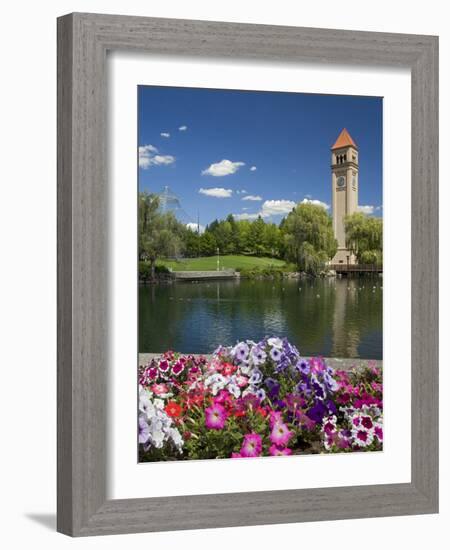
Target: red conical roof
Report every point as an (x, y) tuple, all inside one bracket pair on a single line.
[(344, 140)]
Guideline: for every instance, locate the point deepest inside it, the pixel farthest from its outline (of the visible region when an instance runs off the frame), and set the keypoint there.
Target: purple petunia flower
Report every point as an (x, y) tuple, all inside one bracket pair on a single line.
[(317, 412), (258, 355), (241, 351), (275, 354), (261, 394), (144, 432), (302, 366), (256, 376)]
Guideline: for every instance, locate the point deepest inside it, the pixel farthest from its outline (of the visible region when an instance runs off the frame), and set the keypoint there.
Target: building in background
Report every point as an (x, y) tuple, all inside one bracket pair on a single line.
[(344, 182)]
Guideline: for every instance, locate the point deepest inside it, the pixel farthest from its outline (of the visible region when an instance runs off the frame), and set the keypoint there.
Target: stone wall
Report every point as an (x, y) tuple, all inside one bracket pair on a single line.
[(336, 363)]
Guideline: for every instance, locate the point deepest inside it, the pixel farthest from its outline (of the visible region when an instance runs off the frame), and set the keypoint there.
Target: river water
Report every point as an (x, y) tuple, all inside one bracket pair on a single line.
[(329, 317)]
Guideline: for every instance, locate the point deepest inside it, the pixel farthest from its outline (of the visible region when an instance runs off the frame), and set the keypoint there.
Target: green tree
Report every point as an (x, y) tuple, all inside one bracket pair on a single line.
[(223, 233), (160, 235), (256, 237), (308, 237), (208, 244), (191, 243), (244, 227), (364, 237), (272, 237)]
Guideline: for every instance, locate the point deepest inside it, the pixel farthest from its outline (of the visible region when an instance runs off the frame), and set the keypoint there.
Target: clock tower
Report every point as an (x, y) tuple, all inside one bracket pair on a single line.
[(344, 182)]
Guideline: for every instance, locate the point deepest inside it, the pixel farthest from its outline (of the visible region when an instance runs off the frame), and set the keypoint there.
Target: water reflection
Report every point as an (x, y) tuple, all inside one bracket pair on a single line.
[(330, 317)]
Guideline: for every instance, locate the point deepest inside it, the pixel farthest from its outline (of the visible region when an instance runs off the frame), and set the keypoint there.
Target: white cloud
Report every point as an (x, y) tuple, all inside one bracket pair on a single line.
[(196, 227), (223, 168), (148, 156), (276, 207), (269, 208), (252, 198), (165, 134), (252, 168), (316, 203), (218, 192), (182, 128), (245, 216), (366, 209)]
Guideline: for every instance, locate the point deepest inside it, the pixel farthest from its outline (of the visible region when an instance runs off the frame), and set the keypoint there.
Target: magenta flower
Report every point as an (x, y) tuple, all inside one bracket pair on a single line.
[(215, 417), (153, 372), (164, 366), (366, 421), (362, 437), (275, 418), (274, 450), (280, 434), (378, 432), (251, 446), (178, 368)]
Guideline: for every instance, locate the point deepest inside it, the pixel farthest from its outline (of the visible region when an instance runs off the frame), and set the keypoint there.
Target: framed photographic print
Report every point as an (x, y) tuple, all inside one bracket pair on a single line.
[(247, 274)]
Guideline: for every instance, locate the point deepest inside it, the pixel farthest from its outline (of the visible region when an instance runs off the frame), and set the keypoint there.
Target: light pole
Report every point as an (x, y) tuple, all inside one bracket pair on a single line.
[(218, 259)]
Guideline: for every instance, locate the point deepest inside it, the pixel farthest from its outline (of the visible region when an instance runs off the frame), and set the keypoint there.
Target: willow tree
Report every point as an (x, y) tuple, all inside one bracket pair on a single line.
[(308, 237), (364, 237), (160, 234)]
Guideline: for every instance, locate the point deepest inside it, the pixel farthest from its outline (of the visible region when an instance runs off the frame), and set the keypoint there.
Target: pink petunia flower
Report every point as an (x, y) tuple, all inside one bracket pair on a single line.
[(215, 417), (241, 381), (252, 445), (159, 389), (280, 434), (275, 417), (274, 450), (222, 397)]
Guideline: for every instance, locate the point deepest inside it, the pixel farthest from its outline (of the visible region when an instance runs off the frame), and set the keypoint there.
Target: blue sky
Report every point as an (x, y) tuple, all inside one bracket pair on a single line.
[(250, 153)]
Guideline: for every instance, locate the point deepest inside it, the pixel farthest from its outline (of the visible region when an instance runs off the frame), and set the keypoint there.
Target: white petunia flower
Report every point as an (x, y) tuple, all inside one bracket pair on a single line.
[(275, 342), (175, 435)]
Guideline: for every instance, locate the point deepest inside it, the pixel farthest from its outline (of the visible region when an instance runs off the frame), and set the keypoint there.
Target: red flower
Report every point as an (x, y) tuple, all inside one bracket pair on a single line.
[(229, 369), (261, 411), (173, 409)]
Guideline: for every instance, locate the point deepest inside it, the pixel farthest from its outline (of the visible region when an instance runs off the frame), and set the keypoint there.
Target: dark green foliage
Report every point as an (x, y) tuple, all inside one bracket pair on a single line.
[(364, 236), (309, 238), (145, 271)]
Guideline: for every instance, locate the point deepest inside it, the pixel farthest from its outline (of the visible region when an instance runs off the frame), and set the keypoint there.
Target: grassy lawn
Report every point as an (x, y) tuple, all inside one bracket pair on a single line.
[(226, 262)]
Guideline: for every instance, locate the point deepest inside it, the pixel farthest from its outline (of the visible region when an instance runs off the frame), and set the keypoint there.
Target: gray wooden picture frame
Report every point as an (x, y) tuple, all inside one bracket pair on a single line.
[(83, 42)]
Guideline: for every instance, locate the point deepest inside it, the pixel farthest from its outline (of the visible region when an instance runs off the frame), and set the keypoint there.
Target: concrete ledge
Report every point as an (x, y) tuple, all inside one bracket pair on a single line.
[(203, 275), (336, 363)]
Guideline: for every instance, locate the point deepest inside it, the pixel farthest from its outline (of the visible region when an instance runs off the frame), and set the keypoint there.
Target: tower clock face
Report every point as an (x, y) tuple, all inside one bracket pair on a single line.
[(341, 181)]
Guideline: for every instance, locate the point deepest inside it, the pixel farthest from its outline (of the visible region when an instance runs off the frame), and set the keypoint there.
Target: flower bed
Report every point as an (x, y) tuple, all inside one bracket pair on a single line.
[(256, 399)]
